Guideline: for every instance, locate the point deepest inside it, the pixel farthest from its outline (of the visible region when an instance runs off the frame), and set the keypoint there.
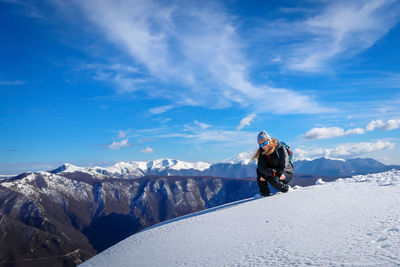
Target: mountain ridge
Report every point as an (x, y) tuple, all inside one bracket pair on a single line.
[(241, 169)]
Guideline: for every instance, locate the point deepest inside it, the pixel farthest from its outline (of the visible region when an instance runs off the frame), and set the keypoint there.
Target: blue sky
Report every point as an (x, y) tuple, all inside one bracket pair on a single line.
[(96, 82)]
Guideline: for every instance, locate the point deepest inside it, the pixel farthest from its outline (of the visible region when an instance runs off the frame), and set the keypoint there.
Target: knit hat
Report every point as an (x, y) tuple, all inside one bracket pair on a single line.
[(263, 135)]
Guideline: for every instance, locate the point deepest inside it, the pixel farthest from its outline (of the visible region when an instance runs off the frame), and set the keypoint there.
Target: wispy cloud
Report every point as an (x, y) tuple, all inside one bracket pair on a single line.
[(202, 125), (246, 121), (388, 125), (170, 42), (224, 138), (161, 109), (343, 150), (126, 78), (340, 29), (330, 132), (202, 133)]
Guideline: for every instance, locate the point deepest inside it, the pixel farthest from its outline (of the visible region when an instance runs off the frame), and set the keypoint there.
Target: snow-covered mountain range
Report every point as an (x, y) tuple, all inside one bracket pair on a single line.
[(341, 167), (351, 222), (166, 167), (235, 168), (163, 167)]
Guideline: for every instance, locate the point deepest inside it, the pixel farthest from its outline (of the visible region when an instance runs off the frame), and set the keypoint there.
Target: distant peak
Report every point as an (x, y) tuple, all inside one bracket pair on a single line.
[(66, 167)]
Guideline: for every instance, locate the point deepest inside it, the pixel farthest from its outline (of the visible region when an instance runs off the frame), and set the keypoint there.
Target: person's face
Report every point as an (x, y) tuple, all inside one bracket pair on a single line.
[(264, 144)]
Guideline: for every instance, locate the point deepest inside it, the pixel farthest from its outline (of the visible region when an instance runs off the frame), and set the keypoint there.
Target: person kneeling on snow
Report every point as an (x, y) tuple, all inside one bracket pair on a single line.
[(274, 166)]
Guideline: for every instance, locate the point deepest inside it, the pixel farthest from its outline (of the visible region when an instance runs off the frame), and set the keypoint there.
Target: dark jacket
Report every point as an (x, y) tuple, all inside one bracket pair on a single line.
[(275, 164)]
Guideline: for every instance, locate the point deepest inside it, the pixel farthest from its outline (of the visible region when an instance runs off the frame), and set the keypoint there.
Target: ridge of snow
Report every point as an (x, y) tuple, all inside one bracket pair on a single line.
[(296, 158), (302, 159), (387, 178), (337, 159), (353, 221)]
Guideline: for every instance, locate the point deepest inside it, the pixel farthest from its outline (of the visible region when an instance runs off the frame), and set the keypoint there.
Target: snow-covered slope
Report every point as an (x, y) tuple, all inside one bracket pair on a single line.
[(352, 222)]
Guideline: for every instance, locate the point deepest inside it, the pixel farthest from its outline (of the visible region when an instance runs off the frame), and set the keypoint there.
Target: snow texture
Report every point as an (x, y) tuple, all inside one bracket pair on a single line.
[(353, 222)]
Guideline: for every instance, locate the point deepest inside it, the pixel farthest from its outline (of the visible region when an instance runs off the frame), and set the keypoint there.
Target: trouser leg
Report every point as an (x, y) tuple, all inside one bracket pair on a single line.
[(280, 185), (263, 186)]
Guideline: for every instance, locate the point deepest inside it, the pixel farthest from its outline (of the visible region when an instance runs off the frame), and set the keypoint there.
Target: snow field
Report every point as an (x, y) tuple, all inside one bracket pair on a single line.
[(352, 222)]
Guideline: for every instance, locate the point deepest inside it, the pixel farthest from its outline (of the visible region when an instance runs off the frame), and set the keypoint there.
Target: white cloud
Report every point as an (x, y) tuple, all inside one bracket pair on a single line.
[(389, 125), (119, 145), (355, 131), (147, 150), (374, 124), (359, 148), (161, 109), (246, 121), (330, 132), (343, 150), (322, 133)]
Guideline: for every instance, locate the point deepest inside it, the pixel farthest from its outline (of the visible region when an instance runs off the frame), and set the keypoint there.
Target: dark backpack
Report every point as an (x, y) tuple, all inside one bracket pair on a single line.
[(288, 151)]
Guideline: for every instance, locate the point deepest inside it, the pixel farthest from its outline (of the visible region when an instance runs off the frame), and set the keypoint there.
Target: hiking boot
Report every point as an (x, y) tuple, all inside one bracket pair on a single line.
[(285, 188)]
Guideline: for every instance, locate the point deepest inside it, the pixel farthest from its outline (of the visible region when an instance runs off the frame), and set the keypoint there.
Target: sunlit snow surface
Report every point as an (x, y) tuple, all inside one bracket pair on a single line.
[(351, 222)]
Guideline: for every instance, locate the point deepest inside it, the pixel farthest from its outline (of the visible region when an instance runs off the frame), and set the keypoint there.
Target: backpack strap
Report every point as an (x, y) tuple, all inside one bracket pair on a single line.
[(285, 146)]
